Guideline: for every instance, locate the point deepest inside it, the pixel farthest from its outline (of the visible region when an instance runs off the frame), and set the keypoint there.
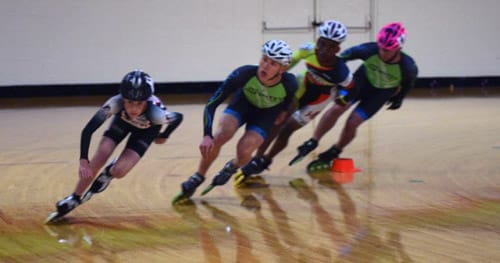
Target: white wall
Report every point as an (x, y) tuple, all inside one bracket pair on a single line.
[(448, 38), (97, 41)]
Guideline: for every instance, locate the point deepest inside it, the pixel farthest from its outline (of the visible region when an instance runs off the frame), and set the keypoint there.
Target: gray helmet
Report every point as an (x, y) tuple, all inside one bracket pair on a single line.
[(137, 86)]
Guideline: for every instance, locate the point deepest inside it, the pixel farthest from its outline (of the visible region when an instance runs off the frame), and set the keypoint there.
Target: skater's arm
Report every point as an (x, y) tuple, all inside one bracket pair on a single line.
[(94, 123), (304, 51), (232, 83), (291, 86), (362, 51), (159, 115), (174, 119), (107, 110), (346, 91), (410, 73)]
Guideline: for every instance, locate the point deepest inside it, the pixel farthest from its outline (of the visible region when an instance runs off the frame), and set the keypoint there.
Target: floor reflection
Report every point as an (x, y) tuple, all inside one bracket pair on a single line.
[(85, 248), (357, 243), (69, 235), (277, 232), (243, 243), (189, 213), (343, 241)]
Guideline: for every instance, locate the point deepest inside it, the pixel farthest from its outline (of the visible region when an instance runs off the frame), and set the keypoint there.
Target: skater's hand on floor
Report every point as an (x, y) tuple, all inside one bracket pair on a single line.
[(84, 171), (206, 145)]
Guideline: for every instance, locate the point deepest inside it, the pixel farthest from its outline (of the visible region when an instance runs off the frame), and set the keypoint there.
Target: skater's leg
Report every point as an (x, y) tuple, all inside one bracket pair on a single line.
[(247, 144), (328, 120), (226, 130), (261, 161), (116, 169), (283, 137), (347, 135), (209, 149), (104, 151), (349, 132)]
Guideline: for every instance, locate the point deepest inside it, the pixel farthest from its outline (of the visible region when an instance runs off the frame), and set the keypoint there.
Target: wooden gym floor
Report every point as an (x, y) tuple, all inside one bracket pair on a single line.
[(429, 191)]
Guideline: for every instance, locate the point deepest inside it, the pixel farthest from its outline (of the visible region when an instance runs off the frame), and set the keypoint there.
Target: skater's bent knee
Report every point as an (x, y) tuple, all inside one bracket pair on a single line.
[(117, 172)]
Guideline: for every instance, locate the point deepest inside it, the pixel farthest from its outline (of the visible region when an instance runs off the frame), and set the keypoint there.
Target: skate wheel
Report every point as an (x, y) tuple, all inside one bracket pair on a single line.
[(318, 167)]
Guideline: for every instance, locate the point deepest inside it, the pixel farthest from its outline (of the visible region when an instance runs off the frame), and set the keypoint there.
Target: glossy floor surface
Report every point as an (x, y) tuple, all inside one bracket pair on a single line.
[(429, 191)]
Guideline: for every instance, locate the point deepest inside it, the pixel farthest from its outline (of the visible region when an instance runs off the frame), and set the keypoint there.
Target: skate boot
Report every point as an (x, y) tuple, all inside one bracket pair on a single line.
[(100, 183), (304, 150), (324, 160), (222, 176), (255, 166), (63, 208), (188, 188)]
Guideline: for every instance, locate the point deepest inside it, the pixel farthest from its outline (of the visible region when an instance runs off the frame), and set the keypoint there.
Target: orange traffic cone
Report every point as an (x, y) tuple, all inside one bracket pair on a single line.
[(343, 170)]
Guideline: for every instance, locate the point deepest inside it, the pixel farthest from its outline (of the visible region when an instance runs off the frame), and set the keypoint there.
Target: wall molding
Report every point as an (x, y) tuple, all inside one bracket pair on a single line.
[(208, 87)]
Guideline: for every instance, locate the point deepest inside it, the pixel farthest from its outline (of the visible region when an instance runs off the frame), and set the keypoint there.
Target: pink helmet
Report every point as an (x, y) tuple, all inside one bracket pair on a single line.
[(391, 36)]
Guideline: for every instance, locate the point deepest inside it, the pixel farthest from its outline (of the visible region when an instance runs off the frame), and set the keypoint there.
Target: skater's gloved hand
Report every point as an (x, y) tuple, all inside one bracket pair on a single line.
[(342, 98), (206, 145), (84, 171), (394, 103)]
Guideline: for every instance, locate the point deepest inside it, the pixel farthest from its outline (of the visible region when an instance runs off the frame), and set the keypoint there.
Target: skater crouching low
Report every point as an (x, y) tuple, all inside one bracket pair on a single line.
[(136, 112), (261, 97)]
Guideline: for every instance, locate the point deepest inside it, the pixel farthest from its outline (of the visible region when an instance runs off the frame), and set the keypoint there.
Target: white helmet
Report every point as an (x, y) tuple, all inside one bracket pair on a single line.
[(333, 30), (278, 50)]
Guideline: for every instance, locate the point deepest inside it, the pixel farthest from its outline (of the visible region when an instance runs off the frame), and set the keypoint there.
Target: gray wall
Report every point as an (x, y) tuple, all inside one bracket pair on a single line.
[(97, 41)]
